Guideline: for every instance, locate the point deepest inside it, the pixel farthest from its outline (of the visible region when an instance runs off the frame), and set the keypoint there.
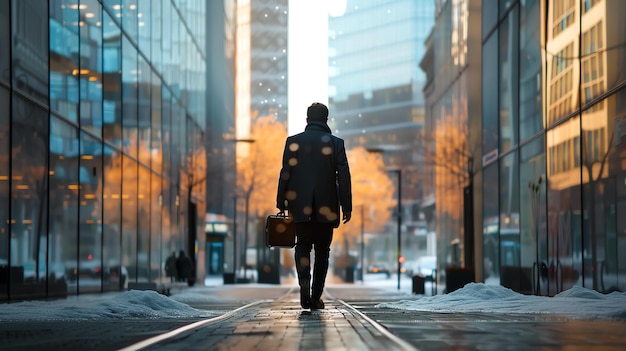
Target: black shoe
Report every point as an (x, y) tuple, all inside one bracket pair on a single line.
[(317, 304), (305, 294)]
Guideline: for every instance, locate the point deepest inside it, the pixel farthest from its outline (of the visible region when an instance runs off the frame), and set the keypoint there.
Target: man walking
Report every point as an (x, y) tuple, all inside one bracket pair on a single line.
[(314, 183)]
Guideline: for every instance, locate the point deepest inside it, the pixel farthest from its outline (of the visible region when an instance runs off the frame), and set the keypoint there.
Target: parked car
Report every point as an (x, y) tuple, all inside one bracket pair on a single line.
[(379, 268)]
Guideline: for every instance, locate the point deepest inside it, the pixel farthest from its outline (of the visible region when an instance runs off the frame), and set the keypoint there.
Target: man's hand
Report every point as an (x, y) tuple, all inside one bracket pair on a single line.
[(346, 217)]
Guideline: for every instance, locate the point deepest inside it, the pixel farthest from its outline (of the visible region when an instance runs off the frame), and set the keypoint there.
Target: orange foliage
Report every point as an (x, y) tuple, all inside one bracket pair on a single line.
[(258, 166), (373, 189)]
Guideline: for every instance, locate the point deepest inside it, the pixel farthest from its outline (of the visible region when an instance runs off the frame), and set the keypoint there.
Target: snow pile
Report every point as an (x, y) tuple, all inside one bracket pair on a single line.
[(577, 302), (134, 304)]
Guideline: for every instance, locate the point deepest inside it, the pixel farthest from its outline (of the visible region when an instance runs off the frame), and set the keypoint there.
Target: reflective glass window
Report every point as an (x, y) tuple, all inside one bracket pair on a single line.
[(491, 226), (4, 191), (144, 27), (5, 41), (30, 39), (532, 191), (129, 216), (489, 15), (144, 117), (604, 183), (511, 275), (157, 263), (90, 252), (129, 18), (489, 101), (111, 81), (143, 223), (156, 26), (530, 74), (130, 79), (29, 196), (91, 66), (64, 69), (560, 272), (508, 77), (111, 185), (63, 203)]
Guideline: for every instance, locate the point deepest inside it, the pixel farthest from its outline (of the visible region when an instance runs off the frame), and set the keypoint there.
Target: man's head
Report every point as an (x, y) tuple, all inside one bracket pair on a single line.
[(317, 112)]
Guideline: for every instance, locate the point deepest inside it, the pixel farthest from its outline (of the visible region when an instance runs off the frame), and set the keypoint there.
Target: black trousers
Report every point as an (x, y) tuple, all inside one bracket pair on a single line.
[(317, 236)]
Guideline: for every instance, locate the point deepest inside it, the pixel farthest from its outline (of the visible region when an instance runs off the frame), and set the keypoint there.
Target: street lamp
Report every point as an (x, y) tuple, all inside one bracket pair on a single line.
[(398, 172)]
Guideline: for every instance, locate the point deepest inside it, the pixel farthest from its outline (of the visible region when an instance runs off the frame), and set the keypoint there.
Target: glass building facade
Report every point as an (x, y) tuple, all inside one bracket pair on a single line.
[(376, 100), (554, 144), (102, 118)]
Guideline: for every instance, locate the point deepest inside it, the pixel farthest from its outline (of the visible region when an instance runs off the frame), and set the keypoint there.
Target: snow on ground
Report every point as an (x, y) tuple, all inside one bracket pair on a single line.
[(577, 302), (133, 304)]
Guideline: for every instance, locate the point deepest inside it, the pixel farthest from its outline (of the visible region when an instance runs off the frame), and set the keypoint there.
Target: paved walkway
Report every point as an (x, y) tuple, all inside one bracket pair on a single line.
[(258, 317), (282, 325)]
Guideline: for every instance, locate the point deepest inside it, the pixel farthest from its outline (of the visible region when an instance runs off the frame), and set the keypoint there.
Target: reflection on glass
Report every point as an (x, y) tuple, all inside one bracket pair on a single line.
[(489, 100), (29, 196), (92, 275), (112, 82), (30, 39), (64, 189), (508, 87), (511, 276), (130, 78), (532, 190), (4, 192), (91, 66), (111, 187), (530, 75), (143, 224), (491, 226), (129, 215), (563, 158), (5, 40), (64, 48)]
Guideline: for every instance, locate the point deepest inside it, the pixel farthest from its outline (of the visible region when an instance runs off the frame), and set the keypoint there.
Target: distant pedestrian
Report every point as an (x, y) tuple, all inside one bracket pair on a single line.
[(314, 183), (184, 266), (170, 267)]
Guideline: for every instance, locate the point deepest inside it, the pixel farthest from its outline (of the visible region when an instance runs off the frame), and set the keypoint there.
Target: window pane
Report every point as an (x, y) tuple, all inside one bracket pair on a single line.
[(511, 274), (491, 226), (143, 224), (129, 97), (509, 37), (489, 100), (30, 39), (129, 216), (64, 199), (90, 252), (564, 211), (531, 116), (112, 82), (5, 38), (64, 48), (29, 183), (4, 192), (112, 220), (91, 64), (489, 15)]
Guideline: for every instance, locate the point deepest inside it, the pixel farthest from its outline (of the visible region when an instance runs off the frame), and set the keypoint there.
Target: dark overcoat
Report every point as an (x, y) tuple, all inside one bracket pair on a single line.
[(315, 178)]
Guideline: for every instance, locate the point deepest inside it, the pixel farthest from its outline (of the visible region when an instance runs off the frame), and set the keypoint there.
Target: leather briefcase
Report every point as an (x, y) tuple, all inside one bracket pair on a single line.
[(280, 231)]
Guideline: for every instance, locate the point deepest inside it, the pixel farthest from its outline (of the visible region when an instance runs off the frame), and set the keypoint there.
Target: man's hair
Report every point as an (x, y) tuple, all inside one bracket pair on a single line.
[(317, 112)]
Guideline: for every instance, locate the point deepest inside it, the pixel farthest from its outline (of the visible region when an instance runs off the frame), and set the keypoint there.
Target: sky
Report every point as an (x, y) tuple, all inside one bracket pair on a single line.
[(576, 303)]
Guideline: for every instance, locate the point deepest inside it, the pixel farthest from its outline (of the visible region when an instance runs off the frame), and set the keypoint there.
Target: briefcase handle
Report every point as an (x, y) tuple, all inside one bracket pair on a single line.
[(282, 213)]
